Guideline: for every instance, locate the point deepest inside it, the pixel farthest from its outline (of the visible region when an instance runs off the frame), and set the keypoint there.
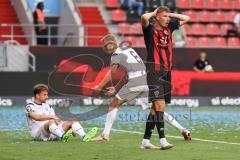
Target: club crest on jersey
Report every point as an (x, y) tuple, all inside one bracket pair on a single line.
[(163, 42), (156, 93), (165, 32)]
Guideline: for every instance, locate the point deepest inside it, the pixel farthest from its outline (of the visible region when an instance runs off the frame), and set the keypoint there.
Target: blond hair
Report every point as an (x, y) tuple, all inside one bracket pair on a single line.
[(109, 38), (38, 88), (163, 9)]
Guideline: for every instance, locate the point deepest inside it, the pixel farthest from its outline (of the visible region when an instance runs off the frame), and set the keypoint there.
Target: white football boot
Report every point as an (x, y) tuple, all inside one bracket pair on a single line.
[(148, 145), (165, 145), (186, 134)]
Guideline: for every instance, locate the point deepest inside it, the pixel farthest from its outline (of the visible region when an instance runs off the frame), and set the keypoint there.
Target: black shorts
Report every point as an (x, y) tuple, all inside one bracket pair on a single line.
[(159, 85)]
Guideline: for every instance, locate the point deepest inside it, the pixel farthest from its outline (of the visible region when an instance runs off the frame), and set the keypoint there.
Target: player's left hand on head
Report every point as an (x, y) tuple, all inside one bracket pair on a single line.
[(110, 91)]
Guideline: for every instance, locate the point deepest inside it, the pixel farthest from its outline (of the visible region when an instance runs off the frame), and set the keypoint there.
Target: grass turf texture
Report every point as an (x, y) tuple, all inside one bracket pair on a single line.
[(220, 124), (18, 145)]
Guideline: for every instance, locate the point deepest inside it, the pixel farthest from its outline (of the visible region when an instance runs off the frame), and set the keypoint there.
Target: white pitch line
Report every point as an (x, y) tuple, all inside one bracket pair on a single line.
[(135, 132), (7, 130), (178, 137)]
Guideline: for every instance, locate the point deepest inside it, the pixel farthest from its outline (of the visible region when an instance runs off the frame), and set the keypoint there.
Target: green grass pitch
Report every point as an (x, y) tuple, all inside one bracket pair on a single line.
[(17, 145), (215, 124)]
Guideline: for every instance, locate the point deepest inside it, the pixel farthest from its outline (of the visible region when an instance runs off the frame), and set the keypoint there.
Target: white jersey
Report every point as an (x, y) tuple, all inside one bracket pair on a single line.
[(130, 60), (43, 109)]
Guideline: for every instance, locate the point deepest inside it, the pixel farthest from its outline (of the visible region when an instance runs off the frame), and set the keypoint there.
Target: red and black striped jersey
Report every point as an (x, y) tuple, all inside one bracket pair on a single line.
[(159, 46)]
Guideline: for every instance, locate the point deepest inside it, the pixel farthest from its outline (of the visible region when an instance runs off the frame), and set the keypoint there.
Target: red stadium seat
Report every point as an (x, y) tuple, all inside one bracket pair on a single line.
[(219, 16), (141, 42), (183, 4), (191, 42), (237, 5), (192, 15), (123, 29), (197, 4), (118, 16), (136, 29), (204, 42), (231, 15), (205, 16), (198, 30), (112, 4), (9, 16), (212, 4), (131, 39), (226, 4), (219, 42), (213, 30), (233, 42), (225, 27), (187, 29)]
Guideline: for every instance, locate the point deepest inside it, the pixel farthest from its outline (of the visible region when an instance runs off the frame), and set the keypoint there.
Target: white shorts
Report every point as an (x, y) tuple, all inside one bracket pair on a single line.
[(135, 88), (40, 134)]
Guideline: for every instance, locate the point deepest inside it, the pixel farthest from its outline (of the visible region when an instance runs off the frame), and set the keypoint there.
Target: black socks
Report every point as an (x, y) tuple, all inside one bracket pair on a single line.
[(159, 121), (150, 124)]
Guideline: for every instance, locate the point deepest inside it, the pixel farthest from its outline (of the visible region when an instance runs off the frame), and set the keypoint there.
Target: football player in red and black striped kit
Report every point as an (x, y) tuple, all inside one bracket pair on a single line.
[(158, 27)]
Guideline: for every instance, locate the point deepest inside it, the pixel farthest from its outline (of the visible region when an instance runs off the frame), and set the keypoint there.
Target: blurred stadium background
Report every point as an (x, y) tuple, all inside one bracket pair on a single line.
[(207, 103)]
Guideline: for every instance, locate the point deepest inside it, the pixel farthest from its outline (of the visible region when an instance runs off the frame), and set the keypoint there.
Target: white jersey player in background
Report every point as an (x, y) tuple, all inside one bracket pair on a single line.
[(135, 89), (43, 123)]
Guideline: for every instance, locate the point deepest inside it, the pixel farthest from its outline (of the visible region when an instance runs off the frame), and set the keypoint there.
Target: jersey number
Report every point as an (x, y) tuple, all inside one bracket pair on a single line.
[(29, 109), (138, 59)]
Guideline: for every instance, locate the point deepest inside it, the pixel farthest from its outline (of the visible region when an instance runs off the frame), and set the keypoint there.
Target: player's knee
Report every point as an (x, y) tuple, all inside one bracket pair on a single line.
[(152, 111), (72, 122), (115, 104), (159, 105), (112, 106)]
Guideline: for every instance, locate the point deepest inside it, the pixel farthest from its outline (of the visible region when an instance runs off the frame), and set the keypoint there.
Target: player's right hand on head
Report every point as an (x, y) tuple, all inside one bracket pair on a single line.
[(155, 11)]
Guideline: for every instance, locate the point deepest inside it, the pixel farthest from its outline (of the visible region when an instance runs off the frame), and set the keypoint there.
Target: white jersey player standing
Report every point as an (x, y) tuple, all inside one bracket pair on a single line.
[(135, 89), (45, 125)]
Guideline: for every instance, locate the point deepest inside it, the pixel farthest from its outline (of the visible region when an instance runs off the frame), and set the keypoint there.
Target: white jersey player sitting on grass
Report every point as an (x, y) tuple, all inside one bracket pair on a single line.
[(45, 125), (135, 89)]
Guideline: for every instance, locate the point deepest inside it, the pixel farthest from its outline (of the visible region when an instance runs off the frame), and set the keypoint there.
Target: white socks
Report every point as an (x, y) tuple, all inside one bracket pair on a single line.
[(53, 128), (78, 129), (111, 115), (163, 140), (145, 141), (170, 120)]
